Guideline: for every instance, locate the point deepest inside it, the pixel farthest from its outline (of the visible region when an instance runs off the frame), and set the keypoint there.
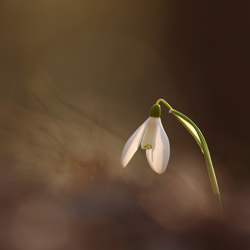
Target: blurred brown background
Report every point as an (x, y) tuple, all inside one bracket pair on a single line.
[(76, 79)]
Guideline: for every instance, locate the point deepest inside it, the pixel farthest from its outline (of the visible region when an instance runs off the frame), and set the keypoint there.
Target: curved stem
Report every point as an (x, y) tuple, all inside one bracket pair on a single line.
[(165, 103), (200, 139)]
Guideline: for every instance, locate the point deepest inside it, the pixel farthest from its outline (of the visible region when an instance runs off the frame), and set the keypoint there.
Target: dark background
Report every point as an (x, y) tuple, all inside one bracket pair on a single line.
[(76, 79)]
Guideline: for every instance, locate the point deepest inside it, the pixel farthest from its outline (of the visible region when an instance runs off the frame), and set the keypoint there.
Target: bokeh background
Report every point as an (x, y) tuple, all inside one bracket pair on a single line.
[(76, 79)]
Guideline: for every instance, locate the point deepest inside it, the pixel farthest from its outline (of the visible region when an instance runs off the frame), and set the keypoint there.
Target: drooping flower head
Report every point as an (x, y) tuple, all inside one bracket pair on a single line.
[(153, 139)]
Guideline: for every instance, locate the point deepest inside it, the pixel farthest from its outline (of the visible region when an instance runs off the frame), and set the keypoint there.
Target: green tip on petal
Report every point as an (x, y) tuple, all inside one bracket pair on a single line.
[(155, 111)]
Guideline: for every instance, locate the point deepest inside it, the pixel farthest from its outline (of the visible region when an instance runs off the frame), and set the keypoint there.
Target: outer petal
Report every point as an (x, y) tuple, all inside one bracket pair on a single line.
[(158, 156), (132, 144)]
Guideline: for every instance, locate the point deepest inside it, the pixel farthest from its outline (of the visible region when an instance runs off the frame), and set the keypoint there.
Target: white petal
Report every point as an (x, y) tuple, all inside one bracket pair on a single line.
[(132, 144), (158, 156), (149, 134)]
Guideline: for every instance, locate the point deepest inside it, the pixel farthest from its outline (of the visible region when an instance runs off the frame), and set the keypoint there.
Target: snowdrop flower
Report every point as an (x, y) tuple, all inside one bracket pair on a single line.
[(153, 139)]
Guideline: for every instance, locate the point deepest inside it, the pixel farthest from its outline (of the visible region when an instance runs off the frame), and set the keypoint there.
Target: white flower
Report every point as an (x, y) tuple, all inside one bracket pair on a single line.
[(153, 138)]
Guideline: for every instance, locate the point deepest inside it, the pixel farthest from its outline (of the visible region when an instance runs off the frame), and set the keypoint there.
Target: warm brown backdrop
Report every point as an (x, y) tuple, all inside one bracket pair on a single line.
[(76, 79)]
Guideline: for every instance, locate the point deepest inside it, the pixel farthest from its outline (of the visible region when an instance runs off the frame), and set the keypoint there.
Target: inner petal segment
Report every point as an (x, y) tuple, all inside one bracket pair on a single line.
[(149, 134)]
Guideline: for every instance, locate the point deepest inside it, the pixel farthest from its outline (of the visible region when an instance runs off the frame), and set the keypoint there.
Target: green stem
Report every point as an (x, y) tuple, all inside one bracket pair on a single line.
[(203, 145)]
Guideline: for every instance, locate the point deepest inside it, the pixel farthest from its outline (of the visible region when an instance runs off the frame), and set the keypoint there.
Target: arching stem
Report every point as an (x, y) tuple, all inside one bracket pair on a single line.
[(198, 136)]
